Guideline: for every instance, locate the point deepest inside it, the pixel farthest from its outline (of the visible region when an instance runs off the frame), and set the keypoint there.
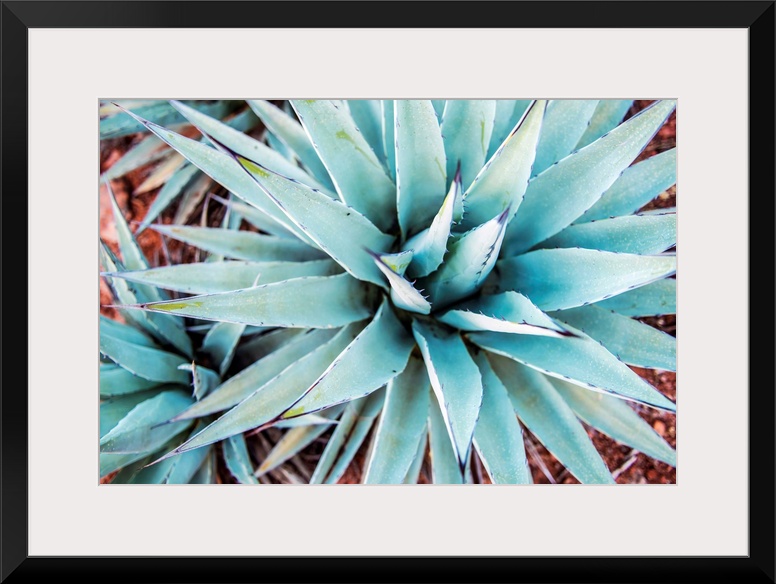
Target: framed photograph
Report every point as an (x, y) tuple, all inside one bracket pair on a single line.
[(512, 142)]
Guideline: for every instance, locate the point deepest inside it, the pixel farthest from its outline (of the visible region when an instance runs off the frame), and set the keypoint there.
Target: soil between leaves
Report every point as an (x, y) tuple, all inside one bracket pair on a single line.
[(627, 465)]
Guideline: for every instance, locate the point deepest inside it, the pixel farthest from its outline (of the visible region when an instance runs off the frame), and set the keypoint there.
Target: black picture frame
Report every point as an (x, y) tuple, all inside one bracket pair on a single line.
[(17, 566)]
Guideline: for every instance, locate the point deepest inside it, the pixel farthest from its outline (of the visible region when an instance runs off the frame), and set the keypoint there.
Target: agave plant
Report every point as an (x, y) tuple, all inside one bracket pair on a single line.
[(435, 275)]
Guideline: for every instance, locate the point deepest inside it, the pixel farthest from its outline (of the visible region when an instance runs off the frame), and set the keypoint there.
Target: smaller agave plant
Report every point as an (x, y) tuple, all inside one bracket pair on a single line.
[(433, 275)]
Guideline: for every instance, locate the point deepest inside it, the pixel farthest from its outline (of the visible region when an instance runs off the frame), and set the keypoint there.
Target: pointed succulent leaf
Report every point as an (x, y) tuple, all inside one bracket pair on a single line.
[(149, 150), (372, 405), (113, 410), (182, 468), (193, 194), (161, 174), (578, 359), (631, 341), (398, 262), (292, 135), (445, 466), (502, 182), (471, 258), (244, 145), (498, 438), (510, 312), (308, 420), (241, 245), (456, 382), (266, 340), (246, 382), (377, 355), (421, 177), (558, 196), (357, 174), (237, 459), (413, 474), (439, 107), (203, 379), (552, 421), (295, 440), (274, 397), (430, 245), (636, 187), (616, 419), (220, 342), (167, 194), (639, 234), (158, 112), (403, 294), (389, 145), (215, 277), (124, 332), (466, 128), (206, 474), (555, 279), (339, 230), (368, 116), (508, 113), (337, 439), (310, 302), (117, 381), (564, 124), (654, 299), (226, 171), (143, 428), (146, 362), (401, 424), (129, 463), (607, 116), (255, 217)]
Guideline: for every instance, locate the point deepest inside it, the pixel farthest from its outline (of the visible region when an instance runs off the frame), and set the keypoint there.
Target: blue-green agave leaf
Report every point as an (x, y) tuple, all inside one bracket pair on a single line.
[(167, 194), (274, 397), (203, 379), (293, 135), (503, 123), (510, 312), (339, 230), (158, 112), (554, 279), (124, 332), (445, 466), (373, 403), (552, 421), (502, 182), (193, 195), (360, 179), (245, 146), (220, 342), (207, 472), (337, 439), (368, 115), (246, 382), (654, 299), (430, 245), (146, 362), (413, 474), (471, 258), (398, 262), (255, 217), (639, 234), (558, 196), (377, 355), (578, 359), (129, 463), (173, 471), (116, 381), (149, 150), (467, 125), (455, 380), (237, 459), (498, 438), (564, 124), (295, 440), (215, 277), (226, 171), (616, 419), (310, 302), (439, 107), (402, 422), (241, 245), (636, 187), (143, 428), (631, 341), (607, 116), (266, 341), (308, 420), (389, 146), (403, 294), (113, 410), (421, 178)]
